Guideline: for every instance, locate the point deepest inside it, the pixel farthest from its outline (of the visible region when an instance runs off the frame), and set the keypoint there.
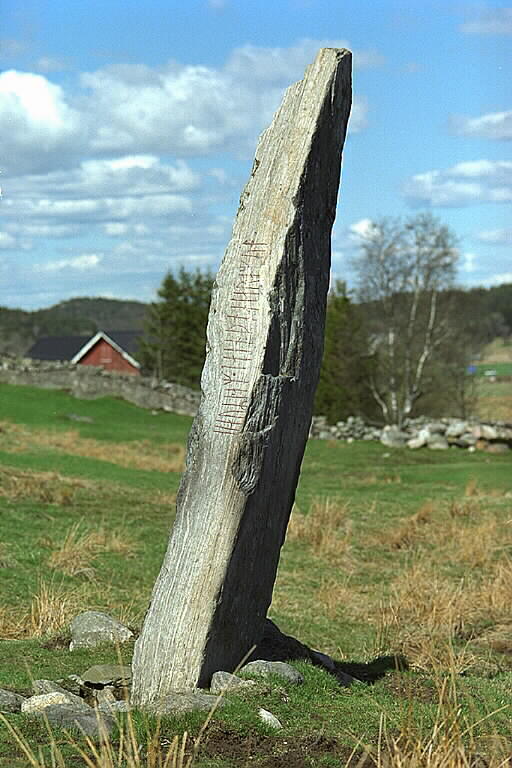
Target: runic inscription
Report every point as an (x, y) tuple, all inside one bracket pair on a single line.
[(241, 317)]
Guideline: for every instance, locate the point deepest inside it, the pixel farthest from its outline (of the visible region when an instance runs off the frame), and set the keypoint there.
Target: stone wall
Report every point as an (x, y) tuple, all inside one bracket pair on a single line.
[(435, 434), (88, 382)]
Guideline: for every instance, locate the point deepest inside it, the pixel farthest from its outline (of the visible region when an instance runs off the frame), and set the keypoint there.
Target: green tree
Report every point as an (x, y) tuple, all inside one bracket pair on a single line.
[(175, 340), (343, 388)]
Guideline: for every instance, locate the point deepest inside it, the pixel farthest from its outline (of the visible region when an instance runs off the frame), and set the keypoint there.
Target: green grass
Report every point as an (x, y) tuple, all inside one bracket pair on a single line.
[(414, 559), (502, 369)]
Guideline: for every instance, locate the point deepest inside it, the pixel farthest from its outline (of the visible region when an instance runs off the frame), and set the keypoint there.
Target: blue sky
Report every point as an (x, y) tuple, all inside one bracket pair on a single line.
[(128, 131)]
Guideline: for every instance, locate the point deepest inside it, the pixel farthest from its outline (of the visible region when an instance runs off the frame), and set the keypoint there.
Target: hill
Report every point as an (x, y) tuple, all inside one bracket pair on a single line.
[(19, 329)]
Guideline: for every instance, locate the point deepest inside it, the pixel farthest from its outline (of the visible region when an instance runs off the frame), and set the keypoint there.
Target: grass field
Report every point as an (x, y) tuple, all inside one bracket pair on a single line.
[(387, 552)]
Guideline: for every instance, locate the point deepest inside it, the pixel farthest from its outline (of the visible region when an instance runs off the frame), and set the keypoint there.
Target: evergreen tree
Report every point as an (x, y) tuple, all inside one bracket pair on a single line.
[(343, 388), (175, 339)]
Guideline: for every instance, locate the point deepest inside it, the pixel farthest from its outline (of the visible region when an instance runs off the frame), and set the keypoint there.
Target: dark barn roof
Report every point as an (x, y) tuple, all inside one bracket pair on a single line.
[(57, 347), (67, 347)]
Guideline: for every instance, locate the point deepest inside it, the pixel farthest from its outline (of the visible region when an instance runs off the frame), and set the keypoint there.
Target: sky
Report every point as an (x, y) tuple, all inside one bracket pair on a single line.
[(129, 129)]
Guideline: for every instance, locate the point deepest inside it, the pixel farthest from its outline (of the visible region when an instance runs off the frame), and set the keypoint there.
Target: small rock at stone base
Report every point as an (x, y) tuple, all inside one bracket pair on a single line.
[(175, 703), (10, 701), (97, 725), (269, 719), (115, 706), (47, 686), (37, 704), (285, 671), (93, 628), (225, 681), (104, 696), (107, 674)]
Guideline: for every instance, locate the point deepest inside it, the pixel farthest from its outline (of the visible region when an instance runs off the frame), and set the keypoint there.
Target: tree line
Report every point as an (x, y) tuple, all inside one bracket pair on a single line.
[(398, 347)]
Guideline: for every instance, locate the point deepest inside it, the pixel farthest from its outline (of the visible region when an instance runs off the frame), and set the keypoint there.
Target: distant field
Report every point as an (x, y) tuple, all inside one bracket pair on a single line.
[(499, 369), (495, 397), (387, 551)]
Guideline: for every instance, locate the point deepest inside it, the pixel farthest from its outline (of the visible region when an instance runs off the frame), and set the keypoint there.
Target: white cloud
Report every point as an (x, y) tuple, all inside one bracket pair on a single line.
[(496, 236), (103, 164), (83, 262), (115, 228), (181, 110), (7, 240), (463, 184), (37, 125), (102, 190), (358, 115), (469, 262), (494, 125), (503, 277), (361, 229), (492, 21), (194, 110), (30, 229)]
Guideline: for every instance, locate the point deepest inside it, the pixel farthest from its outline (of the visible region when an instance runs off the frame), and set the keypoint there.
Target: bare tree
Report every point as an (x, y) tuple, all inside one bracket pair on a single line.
[(402, 270)]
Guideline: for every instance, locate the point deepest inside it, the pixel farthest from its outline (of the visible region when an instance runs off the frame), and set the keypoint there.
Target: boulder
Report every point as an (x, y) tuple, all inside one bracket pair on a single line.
[(92, 723), (225, 681), (497, 448), (485, 431), (262, 668), (94, 628), (269, 719), (456, 429), (466, 440), (436, 427), (47, 686), (36, 704), (274, 645), (192, 701), (393, 437), (101, 675), (438, 443), (10, 701), (115, 706)]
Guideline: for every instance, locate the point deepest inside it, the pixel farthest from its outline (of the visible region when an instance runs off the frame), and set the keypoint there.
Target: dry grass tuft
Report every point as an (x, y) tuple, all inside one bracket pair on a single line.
[(81, 545), (130, 750), (411, 531), (473, 545), (333, 597), (471, 490), (141, 454), (463, 508), (46, 487), (326, 529), (452, 742), (52, 608), (12, 624)]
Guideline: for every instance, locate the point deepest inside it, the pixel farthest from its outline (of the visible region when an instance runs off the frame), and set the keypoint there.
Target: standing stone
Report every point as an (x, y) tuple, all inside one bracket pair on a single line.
[(264, 348)]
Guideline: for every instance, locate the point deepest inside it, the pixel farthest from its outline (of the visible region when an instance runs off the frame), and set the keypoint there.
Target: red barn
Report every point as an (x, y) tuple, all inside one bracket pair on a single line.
[(112, 350)]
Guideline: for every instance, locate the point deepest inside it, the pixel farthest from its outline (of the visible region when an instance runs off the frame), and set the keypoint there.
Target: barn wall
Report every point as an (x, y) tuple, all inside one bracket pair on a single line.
[(105, 356)]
